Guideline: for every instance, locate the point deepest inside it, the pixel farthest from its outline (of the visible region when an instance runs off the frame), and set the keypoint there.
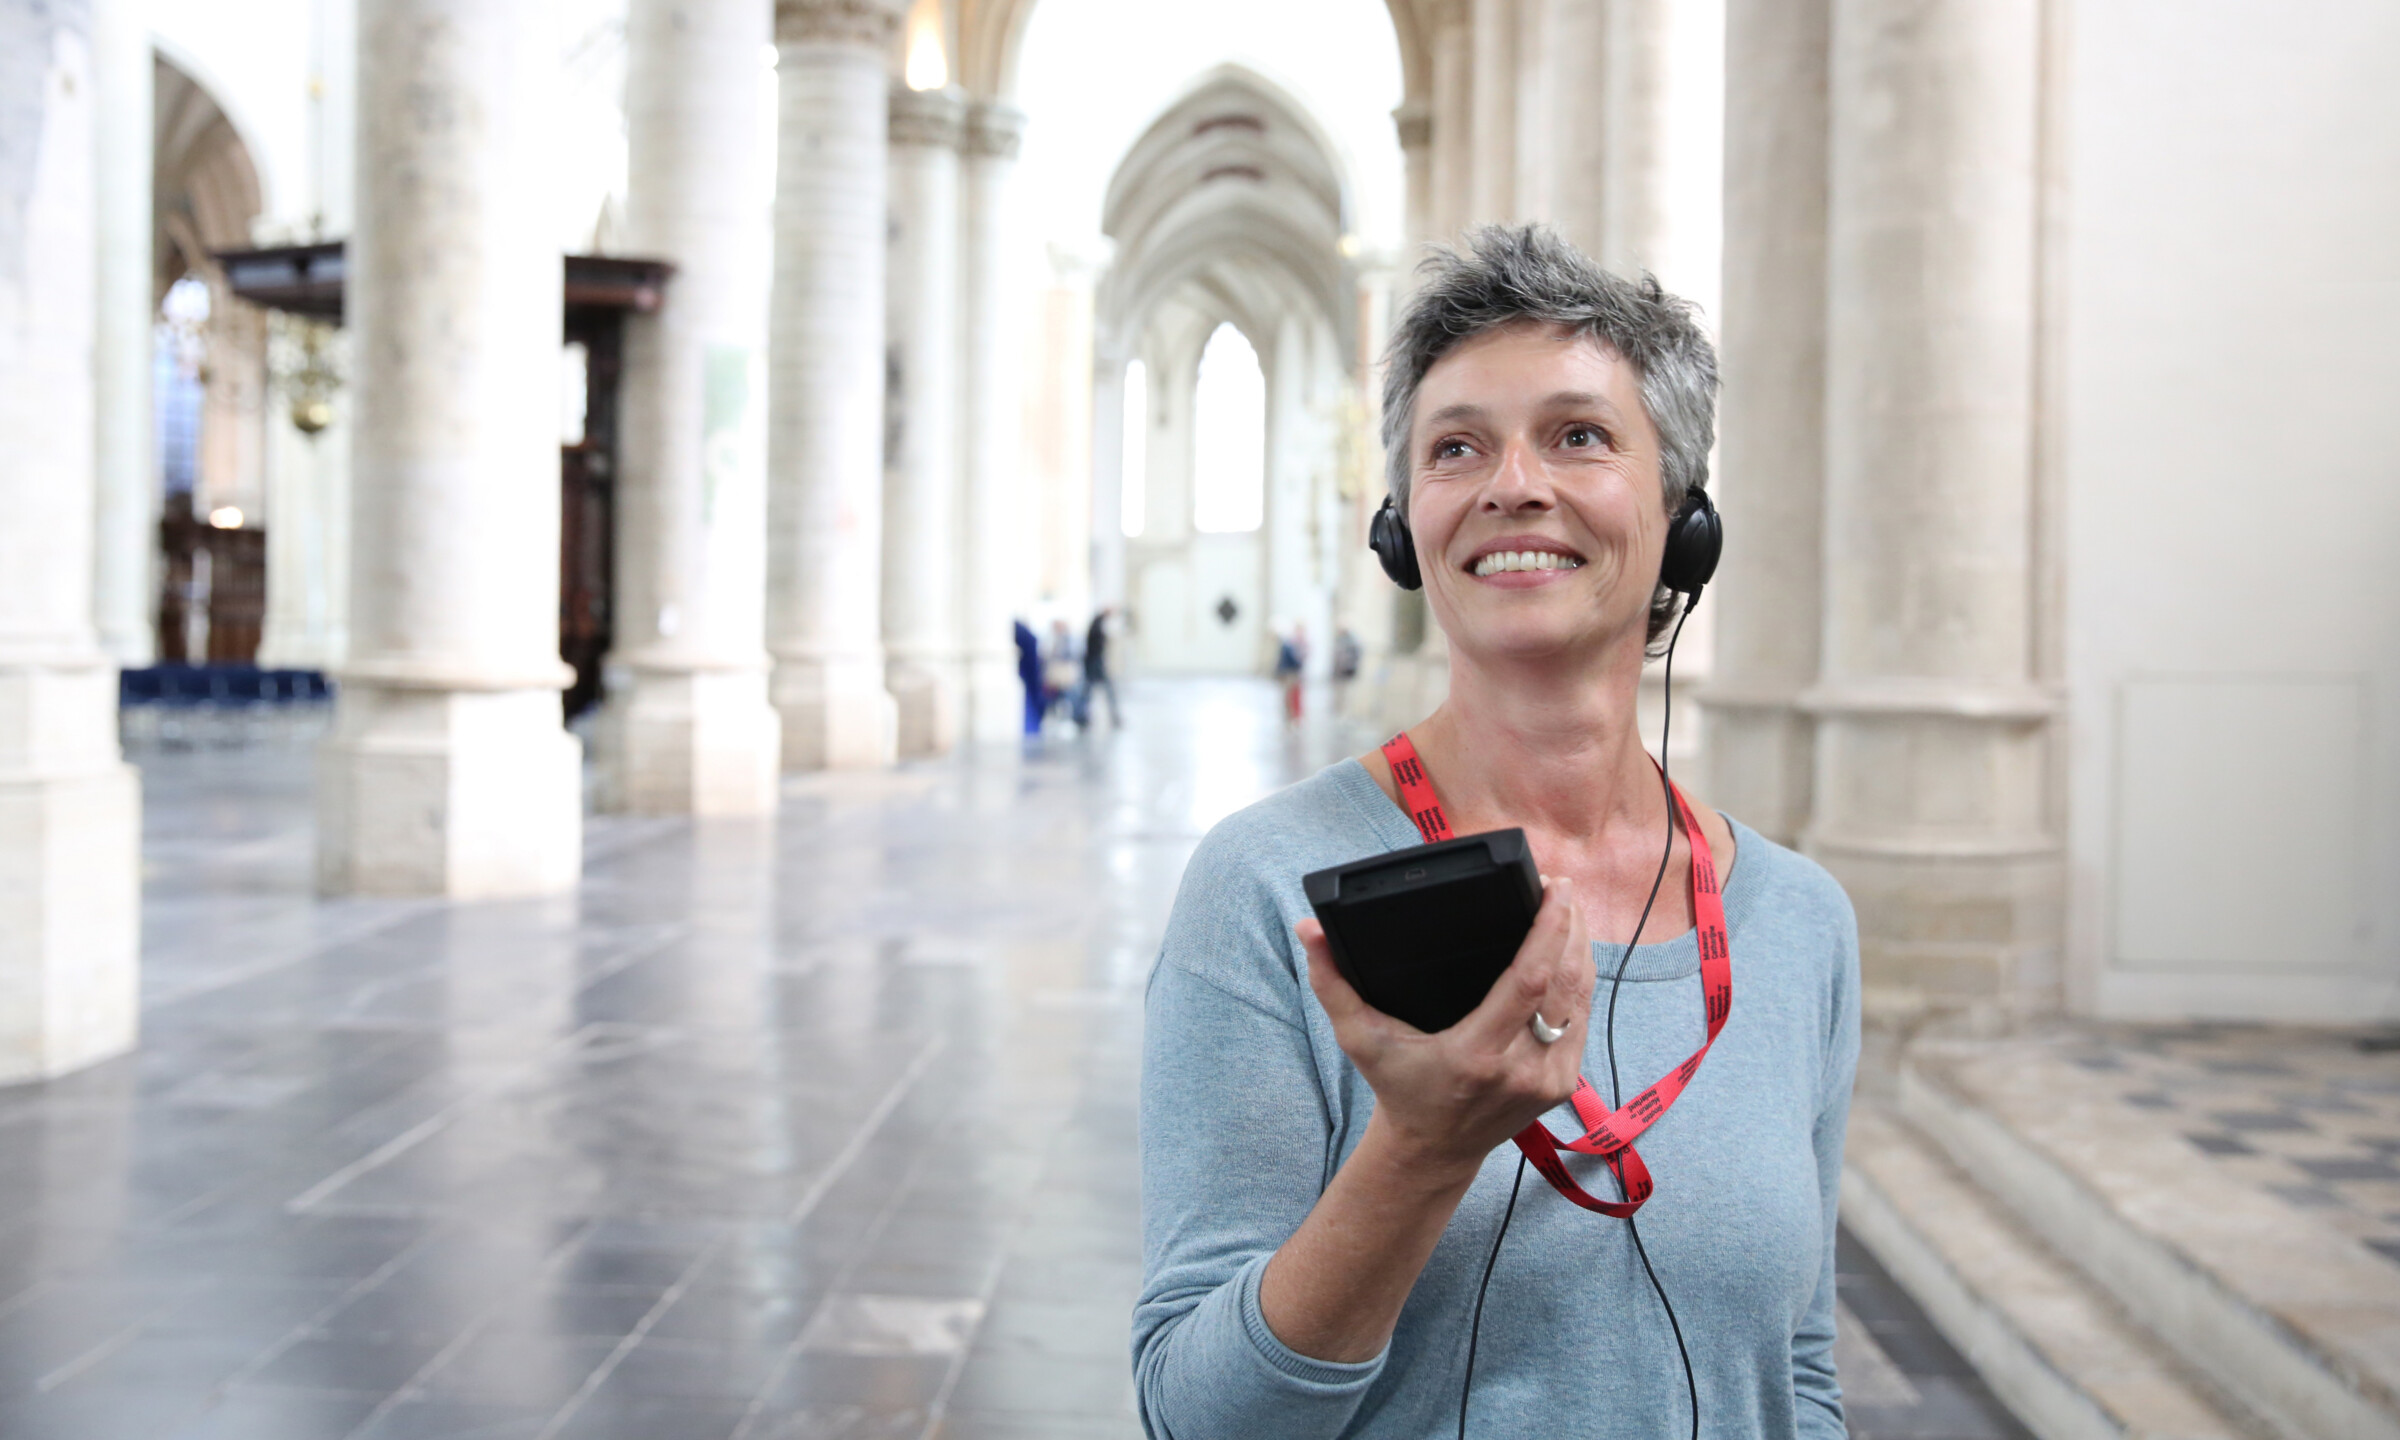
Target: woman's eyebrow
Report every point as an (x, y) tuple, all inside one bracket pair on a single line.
[(1578, 400), (1462, 410)]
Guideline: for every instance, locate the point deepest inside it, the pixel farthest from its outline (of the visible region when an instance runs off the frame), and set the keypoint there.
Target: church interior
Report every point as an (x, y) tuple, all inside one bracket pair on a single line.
[(564, 870)]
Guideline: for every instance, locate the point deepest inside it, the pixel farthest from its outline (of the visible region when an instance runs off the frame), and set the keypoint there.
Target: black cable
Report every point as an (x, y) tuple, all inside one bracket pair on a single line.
[(1691, 1385), (1666, 727), (1475, 1330)]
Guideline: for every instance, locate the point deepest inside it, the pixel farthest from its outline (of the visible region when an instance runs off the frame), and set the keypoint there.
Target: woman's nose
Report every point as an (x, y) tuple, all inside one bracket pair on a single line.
[(1517, 481)]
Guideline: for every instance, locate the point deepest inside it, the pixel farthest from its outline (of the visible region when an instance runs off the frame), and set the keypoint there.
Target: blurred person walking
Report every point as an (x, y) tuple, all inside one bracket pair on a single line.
[(1291, 661), (1062, 672), (1029, 675), (1095, 673)]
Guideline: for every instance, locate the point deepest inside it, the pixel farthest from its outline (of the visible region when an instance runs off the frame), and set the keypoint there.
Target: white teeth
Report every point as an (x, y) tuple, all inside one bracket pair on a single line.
[(1500, 560)]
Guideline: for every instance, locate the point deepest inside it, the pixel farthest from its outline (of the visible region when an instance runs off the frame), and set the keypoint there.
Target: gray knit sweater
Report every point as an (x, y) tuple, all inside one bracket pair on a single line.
[(1249, 1107)]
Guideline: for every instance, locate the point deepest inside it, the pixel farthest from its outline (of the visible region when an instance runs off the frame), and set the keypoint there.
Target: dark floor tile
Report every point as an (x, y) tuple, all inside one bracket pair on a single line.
[(518, 1369), (725, 1314), (578, 1310), (960, 1424), (2214, 1144), (265, 1412), (2259, 1121), (371, 1367), (696, 1369), (814, 1381), (96, 1415), (1030, 1384), (2379, 1168), (434, 1417), (655, 1418)]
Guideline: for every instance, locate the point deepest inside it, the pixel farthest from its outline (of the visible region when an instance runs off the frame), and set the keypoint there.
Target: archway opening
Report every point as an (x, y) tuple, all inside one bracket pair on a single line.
[(1229, 432)]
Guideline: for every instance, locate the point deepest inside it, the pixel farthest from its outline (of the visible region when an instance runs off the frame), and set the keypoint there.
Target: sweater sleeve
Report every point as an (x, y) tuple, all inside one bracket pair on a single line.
[(1237, 1143), (1816, 1391)]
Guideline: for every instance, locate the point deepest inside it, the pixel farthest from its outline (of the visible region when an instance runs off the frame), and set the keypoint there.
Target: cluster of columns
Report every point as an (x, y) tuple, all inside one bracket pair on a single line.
[(793, 493), (1879, 697)]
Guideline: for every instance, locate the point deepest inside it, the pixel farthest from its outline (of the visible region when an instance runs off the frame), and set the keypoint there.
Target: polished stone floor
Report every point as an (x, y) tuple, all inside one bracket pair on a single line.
[(818, 1128)]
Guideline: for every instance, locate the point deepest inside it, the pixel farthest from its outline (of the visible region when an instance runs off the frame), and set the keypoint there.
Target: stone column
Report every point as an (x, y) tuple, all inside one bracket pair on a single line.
[(1453, 117), (993, 540), (448, 771), (70, 808), (688, 729), (1494, 186), (1634, 92), (126, 533), (1108, 479), (825, 421), (1932, 734), (925, 669), (1574, 57), (1414, 121), (1771, 421)]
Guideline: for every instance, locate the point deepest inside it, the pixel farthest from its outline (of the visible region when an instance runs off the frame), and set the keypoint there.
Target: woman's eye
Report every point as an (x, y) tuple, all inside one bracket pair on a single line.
[(1584, 437), (1452, 449)]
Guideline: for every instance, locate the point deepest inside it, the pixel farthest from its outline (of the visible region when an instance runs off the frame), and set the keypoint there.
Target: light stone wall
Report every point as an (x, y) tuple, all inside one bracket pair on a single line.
[(448, 771), (2224, 222), (69, 806)]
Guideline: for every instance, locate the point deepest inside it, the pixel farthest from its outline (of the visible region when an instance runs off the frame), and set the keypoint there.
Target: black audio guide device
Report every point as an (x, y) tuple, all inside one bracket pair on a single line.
[(1422, 933)]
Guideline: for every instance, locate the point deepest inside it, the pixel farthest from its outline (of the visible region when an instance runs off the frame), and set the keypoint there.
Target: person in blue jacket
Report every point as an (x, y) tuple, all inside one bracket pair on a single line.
[(1029, 674)]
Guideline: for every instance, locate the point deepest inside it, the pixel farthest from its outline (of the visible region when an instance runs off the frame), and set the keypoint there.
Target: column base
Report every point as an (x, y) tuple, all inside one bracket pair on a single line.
[(836, 714), (70, 920), (1935, 824), (995, 700), (468, 795), (1970, 937), (690, 742), (925, 705)]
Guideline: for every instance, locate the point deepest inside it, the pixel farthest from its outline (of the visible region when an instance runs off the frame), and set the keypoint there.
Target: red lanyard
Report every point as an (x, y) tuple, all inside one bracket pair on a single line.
[(1607, 1134)]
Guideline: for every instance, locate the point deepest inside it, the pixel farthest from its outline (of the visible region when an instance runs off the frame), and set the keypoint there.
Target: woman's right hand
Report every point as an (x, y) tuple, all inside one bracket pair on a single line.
[(1453, 1096)]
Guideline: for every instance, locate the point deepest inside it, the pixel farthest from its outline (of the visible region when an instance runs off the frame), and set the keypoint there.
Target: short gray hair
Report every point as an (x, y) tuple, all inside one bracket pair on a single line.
[(1515, 274)]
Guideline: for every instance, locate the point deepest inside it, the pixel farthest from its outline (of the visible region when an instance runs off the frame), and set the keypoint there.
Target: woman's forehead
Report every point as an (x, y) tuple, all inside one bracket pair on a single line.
[(1544, 366)]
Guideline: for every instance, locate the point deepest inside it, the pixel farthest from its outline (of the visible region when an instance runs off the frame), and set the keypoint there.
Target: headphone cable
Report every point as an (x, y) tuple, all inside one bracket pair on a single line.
[(1691, 1384)]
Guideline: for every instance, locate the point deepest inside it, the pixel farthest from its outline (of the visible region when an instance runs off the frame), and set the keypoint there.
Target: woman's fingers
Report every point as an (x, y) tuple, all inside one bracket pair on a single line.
[(1334, 991)]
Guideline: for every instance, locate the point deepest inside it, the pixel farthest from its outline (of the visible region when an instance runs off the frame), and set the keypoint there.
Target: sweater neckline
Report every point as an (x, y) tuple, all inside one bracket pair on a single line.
[(1674, 958)]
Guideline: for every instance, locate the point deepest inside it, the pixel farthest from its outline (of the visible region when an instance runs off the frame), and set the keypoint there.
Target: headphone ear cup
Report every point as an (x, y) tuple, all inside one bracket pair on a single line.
[(1695, 539), (1388, 537)]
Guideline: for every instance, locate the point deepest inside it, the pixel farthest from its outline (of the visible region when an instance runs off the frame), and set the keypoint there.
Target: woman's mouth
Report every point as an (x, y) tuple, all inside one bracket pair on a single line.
[(1503, 562)]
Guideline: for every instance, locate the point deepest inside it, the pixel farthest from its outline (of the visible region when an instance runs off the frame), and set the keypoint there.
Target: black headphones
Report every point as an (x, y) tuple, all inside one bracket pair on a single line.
[(1695, 538)]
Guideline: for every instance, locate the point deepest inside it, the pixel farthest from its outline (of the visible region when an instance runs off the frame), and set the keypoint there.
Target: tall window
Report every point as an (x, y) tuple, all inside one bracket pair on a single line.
[(1134, 497), (1229, 449)]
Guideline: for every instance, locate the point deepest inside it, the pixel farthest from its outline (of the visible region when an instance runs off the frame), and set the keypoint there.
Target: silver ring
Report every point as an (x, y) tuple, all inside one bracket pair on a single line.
[(1546, 1032)]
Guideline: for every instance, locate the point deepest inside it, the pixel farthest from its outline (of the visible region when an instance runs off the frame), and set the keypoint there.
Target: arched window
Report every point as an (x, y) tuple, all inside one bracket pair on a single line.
[(1229, 448), (1134, 498)]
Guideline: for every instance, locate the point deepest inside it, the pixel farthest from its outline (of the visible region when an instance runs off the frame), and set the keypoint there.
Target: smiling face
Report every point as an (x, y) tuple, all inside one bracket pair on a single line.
[(1535, 495)]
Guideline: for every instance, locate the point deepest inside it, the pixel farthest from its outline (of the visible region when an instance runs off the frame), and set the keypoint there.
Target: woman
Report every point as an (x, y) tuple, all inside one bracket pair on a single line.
[(1322, 1185)]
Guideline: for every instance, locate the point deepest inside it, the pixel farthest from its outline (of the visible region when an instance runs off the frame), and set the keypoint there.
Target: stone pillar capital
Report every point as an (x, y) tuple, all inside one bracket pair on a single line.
[(994, 129), (934, 119), (872, 23), (1414, 120)]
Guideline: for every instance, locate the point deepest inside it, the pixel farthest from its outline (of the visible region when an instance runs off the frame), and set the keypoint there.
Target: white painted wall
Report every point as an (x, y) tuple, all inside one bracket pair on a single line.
[(2229, 458)]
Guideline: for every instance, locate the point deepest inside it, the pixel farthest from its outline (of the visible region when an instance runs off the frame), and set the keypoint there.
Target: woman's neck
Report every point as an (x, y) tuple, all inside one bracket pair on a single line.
[(1542, 745)]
